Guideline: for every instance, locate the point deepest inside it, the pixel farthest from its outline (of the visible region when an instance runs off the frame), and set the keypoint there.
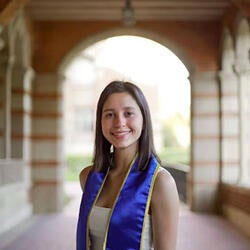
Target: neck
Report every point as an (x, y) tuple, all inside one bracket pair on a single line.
[(122, 160)]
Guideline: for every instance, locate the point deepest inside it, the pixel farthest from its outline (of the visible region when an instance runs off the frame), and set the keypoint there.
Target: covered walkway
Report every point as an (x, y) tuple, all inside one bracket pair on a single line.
[(57, 231), (40, 39)]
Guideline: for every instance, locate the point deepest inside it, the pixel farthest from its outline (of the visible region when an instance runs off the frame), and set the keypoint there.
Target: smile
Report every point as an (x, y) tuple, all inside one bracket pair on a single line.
[(120, 134)]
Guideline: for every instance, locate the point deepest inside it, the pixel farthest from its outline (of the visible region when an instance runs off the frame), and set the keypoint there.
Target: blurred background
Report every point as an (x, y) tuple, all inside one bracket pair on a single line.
[(190, 58)]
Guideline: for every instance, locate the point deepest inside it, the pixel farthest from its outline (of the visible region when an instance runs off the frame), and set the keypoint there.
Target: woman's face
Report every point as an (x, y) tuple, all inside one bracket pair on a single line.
[(122, 120)]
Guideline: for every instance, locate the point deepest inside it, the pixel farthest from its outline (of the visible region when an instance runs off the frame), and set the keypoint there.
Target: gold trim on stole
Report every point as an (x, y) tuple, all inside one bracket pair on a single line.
[(113, 207), (148, 204), (90, 211)]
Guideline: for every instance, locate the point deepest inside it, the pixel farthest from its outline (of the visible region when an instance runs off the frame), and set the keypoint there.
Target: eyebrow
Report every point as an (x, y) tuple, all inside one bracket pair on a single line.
[(112, 109), (107, 110)]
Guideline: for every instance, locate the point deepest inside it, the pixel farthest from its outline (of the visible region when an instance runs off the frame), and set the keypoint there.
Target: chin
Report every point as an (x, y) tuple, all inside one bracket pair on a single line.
[(124, 146)]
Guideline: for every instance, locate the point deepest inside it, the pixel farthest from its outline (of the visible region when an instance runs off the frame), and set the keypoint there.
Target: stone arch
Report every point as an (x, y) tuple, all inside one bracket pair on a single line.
[(124, 31), (178, 51), (187, 62)]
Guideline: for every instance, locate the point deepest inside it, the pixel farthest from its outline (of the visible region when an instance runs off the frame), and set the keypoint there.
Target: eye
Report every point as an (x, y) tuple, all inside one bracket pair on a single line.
[(108, 115), (128, 114)]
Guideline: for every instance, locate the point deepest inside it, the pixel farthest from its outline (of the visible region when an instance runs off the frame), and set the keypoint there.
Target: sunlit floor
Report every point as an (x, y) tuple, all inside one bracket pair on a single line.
[(57, 231)]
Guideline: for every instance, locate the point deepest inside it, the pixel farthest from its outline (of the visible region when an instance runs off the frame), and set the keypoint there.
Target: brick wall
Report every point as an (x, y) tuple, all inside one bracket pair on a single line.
[(235, 206), (236, 196)]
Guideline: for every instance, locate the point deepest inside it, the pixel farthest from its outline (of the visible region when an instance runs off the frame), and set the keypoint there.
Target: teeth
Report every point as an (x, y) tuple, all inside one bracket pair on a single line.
[(120, 133)]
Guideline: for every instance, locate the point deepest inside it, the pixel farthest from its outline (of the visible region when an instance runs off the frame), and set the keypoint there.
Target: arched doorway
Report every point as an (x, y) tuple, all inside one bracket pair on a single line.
[(83, 50)]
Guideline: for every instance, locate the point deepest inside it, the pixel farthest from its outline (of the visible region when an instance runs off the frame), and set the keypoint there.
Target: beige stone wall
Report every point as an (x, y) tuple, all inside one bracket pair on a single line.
[(2, 120), (47, 145), (14, 188), (230, 147), (205, 145)]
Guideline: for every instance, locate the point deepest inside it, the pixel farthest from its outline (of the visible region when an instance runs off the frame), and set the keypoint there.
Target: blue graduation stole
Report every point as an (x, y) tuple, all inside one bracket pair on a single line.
[(127, 216)]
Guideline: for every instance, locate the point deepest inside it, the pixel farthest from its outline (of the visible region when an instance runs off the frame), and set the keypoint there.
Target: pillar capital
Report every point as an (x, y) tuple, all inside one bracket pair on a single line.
[(224, 75), (242, 68), (203, 76)]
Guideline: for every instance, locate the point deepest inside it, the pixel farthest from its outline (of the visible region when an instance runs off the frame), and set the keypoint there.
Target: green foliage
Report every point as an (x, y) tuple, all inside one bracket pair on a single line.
[(169, 137), (170, 155), (175, 155), (67, 199), (173, 129), (75, 163)]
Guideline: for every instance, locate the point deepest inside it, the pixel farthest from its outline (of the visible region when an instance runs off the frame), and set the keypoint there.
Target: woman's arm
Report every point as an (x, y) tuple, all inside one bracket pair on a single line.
[(83, 176), (164, 211)]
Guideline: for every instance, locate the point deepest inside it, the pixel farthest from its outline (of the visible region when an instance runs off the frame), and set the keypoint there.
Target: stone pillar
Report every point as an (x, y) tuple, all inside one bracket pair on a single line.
[(14, 173), (21, 113), (6, 63), (2, 117), (2, 94), (230, 147), (244, 123), (21, 122), (205, 142), (47, 146)]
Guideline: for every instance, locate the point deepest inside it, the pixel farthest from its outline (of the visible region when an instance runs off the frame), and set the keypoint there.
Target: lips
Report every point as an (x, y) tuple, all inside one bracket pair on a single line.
[(120, 134)]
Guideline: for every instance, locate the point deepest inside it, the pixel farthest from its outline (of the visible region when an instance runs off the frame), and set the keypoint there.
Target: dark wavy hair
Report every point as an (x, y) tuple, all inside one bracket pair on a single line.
[(102, 156)]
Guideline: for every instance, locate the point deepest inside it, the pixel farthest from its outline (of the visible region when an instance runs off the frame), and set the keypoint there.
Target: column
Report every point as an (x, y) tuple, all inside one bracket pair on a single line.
[(244, 123), (230, 147), (3, 63), (15, 179), (5, 104), (21, 113), (2, 117), (47, 145), (205, 142)]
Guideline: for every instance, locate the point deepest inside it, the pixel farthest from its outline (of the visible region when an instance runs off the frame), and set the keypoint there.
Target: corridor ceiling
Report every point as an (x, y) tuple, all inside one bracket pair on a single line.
[(93, 10)]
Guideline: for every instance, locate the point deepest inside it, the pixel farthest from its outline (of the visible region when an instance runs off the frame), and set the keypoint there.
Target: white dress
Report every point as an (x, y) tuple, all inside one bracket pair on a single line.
[(97, 226)]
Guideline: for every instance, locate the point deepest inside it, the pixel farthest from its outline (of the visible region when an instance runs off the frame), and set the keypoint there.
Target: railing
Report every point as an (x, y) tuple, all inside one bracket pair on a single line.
[(11, 171), (180, 173)]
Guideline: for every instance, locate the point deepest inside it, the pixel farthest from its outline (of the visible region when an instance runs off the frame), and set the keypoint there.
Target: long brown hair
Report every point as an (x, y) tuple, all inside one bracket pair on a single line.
[(102, 156)]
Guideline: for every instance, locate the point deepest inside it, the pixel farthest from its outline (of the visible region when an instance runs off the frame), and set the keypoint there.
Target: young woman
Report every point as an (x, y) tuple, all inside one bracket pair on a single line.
[(129, 201)]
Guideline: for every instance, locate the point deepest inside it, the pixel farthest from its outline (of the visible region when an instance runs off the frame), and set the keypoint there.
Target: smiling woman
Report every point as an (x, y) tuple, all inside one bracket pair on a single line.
[(126, 188)]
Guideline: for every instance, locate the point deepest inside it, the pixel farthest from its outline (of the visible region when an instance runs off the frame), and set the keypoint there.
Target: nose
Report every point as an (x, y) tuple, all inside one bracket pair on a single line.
[(120, 120)]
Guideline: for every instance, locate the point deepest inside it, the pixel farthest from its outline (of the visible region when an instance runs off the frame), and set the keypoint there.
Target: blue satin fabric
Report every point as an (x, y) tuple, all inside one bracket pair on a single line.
[(126, 223), (93, 184)]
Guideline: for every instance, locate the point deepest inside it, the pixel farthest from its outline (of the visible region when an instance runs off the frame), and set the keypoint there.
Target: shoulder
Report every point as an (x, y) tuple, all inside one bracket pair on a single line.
[(83, 176), (164, 210), (164, 187), (164, 177)]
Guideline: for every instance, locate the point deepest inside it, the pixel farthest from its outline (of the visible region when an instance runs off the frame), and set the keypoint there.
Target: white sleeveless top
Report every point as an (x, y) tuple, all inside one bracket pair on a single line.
[(98, 223)]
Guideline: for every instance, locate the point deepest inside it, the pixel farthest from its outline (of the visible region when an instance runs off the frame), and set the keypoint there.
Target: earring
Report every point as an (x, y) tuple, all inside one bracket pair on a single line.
[(111, 149)]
